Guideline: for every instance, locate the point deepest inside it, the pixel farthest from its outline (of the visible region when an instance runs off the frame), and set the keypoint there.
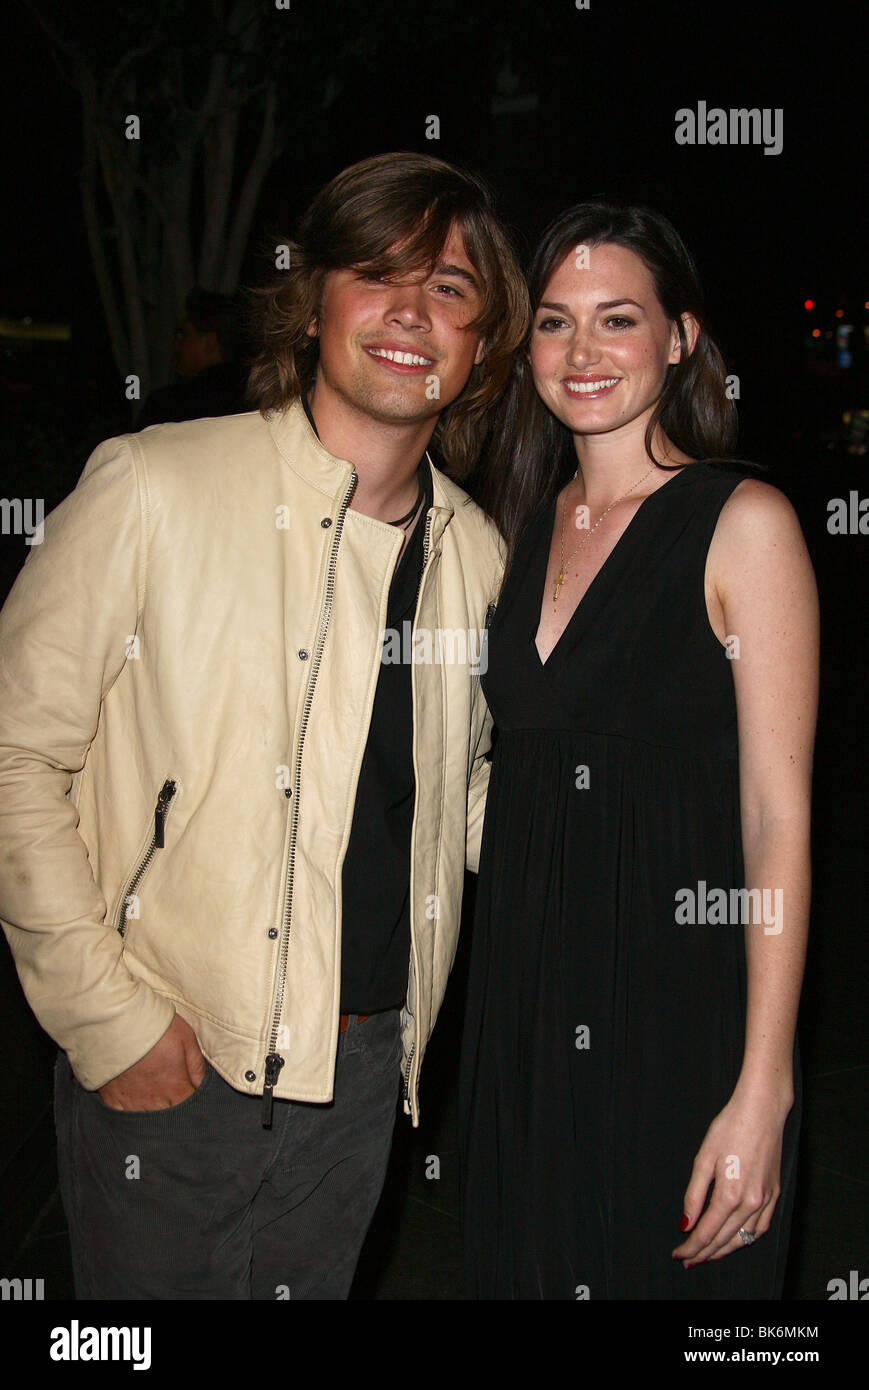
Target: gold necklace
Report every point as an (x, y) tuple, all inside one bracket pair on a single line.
[(559, 578)]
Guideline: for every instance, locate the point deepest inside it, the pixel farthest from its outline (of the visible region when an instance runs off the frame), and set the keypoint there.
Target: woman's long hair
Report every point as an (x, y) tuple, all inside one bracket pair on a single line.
[(391, 215), (531, 454)]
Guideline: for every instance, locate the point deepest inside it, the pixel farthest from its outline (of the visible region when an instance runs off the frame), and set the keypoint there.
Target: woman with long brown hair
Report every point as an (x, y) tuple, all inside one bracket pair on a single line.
[(629, 1060)]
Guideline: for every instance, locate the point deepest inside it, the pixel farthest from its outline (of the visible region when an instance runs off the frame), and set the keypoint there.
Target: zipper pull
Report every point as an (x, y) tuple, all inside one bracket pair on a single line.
[(167, 791), (273, 1066), (490, 613)]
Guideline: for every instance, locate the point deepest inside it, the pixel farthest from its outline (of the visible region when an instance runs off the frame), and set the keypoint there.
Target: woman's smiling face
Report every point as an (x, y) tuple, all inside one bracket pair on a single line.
[(601, 342)]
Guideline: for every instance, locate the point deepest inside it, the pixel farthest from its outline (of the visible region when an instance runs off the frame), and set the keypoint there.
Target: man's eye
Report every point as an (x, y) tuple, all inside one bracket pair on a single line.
[(451, 289)]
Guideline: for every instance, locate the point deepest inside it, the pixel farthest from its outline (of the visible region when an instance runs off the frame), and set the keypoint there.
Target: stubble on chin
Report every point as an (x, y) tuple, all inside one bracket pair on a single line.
[(392, 404)]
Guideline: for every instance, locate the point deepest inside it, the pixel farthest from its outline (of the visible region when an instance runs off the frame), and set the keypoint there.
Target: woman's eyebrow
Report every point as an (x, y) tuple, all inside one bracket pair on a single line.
[(607, 304)]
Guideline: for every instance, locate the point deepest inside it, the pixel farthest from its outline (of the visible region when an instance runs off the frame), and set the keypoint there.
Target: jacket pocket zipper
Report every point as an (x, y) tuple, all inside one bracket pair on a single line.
[(164, 799), (407, 1069)]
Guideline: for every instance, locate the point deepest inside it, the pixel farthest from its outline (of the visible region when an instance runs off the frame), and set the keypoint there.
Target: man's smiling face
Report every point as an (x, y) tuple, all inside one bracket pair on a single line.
[(382, 341)]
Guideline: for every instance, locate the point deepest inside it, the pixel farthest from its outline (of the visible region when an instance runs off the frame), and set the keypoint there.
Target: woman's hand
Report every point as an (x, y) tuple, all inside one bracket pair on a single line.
[(742, 1154)]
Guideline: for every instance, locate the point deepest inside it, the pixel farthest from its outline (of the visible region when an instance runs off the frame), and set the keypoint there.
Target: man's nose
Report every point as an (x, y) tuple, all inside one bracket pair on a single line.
[(407, 305)]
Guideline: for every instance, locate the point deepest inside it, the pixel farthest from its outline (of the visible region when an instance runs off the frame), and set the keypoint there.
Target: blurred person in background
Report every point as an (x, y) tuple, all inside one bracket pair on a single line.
[(207, 347)]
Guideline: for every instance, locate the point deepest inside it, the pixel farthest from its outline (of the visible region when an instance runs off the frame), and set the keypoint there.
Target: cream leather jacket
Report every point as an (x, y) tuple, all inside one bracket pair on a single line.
[(188, 663)]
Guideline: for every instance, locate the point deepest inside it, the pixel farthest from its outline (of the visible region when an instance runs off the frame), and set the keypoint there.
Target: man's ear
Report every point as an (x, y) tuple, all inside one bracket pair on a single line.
[(691, 329), (481, 352)]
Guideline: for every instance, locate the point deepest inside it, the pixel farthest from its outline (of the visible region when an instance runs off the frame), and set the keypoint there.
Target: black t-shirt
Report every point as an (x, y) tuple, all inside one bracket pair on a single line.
[(375, 924)]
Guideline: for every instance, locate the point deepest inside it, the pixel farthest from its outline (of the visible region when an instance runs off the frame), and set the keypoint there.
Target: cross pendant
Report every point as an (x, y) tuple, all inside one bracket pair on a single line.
[(559, 580)]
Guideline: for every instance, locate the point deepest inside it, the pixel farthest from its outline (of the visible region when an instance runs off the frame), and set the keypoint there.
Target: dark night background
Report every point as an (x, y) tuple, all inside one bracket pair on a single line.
[(551, 105)]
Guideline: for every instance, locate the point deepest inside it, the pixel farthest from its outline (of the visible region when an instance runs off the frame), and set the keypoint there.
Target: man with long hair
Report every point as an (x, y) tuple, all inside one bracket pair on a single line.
[(242, 757)]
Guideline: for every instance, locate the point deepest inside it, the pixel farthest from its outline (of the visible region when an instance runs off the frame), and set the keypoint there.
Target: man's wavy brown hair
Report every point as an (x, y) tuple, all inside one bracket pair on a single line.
[(392, 215)]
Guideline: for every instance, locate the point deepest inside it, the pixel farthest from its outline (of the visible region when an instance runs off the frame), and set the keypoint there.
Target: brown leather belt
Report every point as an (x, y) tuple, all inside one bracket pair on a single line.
[(345, 1019)]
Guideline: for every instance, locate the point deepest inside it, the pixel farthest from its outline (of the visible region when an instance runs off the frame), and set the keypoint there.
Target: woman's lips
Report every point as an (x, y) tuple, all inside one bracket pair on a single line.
[(589, 388)]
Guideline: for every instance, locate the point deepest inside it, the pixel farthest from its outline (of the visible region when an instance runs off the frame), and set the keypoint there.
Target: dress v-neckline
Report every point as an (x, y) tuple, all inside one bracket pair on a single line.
[(594, 585)]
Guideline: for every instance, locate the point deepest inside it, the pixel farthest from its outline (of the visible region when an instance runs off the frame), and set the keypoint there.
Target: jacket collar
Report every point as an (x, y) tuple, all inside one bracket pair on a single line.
[(300, 448)]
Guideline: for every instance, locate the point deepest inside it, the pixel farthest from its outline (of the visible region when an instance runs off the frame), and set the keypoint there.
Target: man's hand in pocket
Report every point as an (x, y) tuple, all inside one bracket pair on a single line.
[(165, 1076)]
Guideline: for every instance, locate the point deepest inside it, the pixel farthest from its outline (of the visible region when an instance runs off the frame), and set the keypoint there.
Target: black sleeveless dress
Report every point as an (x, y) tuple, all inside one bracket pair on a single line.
[(602, 1034)]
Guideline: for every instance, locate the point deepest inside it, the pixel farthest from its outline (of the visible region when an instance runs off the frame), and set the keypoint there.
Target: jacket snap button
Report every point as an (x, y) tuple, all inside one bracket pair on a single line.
[(288, 791), (250, 1076), (273, 931), (326, 522), (303, 655)]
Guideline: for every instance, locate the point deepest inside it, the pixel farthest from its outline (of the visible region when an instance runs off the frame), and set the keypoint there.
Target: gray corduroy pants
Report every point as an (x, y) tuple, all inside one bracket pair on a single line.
[(198, 1201)]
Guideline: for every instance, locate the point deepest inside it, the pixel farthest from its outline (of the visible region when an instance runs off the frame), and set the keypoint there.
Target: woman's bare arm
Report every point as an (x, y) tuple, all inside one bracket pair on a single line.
[(762, 575)]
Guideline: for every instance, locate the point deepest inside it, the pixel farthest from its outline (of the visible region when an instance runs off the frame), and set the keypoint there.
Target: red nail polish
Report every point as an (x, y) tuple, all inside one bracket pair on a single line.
[(685, 1222)]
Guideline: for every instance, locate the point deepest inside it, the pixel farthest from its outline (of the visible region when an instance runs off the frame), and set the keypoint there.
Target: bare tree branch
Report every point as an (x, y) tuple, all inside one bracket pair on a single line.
[(111, 309), (218, 176), (250, 191), (137, 196), (120, 193), (179, 177), (130, 57)]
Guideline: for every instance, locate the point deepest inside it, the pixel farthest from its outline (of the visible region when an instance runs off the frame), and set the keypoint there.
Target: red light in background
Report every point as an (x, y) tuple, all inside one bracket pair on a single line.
[(840, 313), (816, 332), (809, 304)]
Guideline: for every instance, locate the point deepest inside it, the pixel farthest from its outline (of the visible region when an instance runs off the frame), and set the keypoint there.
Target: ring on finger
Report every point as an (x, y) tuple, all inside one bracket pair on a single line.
[(747, 1237)]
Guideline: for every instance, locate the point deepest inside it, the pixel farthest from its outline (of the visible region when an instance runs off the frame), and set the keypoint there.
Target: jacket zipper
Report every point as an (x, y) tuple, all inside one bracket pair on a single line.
[(409, 1063), (167, 791), (425, 545), (274, 1061)]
